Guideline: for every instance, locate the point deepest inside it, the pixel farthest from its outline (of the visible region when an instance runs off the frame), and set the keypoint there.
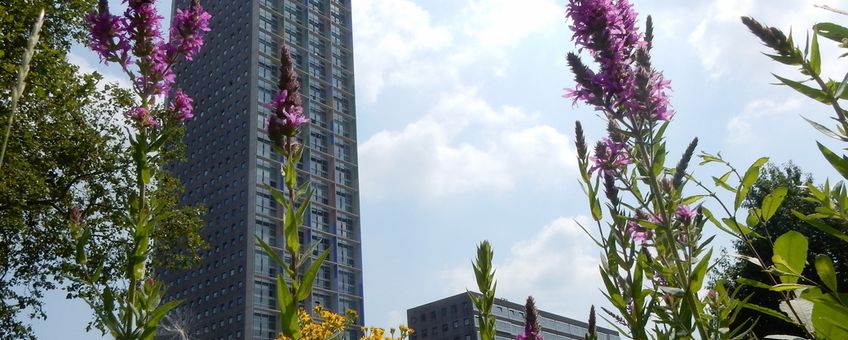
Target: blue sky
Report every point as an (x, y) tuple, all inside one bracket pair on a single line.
[(464, 136)]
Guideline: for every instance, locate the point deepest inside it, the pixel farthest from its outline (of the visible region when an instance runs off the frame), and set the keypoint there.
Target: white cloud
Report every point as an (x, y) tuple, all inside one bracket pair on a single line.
[(391, 35), (404, 47), (464, 145), (109, 75), (761, 116), (719, 33), (557, 265)]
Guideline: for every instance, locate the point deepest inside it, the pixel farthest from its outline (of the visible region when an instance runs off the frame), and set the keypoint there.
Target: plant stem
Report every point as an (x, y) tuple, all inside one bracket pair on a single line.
[(18, 91)]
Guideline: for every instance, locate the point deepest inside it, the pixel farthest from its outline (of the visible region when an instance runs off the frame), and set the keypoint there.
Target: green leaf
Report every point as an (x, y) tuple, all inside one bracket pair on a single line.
[(821, 225), (831, 31), (772, 202), (830, 320), (838, 163), (808, 91), (824, 129), (696, 280), (274, 256), (748, 180), (692, 199), (815, 56), (153, 319), (146, 173), (752, 283), (826, 271), (780, 287), (767, 311), (790, 255), (288, 310), (309, 277)]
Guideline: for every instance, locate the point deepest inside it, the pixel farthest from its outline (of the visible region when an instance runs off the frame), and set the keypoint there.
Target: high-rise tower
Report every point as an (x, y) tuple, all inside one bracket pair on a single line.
[(230, 164)]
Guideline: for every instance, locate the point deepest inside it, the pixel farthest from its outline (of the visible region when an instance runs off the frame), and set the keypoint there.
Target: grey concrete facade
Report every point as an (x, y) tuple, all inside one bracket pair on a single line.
[(230, 165), (455, 318)]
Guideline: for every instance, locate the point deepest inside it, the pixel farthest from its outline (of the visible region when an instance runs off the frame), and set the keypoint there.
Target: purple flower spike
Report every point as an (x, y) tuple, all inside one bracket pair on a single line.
[(188, 28), (182, 106), (107, 34), (638, 233), (145, 25), (685, 213), (610, 156), (143, 117)]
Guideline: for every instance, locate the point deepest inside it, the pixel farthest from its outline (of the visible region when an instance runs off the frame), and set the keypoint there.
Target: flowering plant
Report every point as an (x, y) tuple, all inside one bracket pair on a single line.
[(655, 259), (325, 325), (816, 305), (135, 42), (284, 125)]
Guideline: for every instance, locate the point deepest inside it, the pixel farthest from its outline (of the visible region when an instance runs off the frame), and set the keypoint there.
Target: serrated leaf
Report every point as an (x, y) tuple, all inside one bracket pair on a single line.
[(790, 255), (826, 271), (748, 180), (772, 202)]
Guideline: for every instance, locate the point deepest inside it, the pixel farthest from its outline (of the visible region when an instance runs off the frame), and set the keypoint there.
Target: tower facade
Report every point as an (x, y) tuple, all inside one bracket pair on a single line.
[(231, 168)]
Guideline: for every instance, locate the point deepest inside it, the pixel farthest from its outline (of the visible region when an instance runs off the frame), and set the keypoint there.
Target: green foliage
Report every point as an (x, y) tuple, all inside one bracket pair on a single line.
[(484, 273), (298, 288)]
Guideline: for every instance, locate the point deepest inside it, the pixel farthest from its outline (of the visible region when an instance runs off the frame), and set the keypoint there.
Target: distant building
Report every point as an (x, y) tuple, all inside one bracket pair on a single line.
[(455, 318)]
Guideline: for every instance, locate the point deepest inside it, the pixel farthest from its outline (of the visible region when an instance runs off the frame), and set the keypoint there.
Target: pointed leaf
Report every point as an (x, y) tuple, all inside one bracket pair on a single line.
[(748, 180), (838, 163), (815, 56), (306, 285), (288, 310), (808, 91), (826, 271)]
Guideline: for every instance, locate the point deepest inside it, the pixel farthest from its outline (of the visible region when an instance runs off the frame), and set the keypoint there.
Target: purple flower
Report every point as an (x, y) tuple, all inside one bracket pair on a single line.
[(607, 29), (610, 156), (529, 334), (144, 27), (286, 121), (181, 107), (188, 28), (157, 76), (76, 215), (685, 213), (107, 34), (142, 117), (638, 233)]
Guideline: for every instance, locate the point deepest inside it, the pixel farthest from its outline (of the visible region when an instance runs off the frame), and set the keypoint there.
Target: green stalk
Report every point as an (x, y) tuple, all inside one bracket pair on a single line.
[(18, 91)]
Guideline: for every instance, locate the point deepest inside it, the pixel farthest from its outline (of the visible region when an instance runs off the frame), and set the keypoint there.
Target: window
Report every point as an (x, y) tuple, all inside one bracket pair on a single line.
[(264, 326), (264, 294), (345, 226), (346, 255), (323, 278), (347, 282), (319, 219), (265, 229), (262, 263), (318, 141), (343, 174)]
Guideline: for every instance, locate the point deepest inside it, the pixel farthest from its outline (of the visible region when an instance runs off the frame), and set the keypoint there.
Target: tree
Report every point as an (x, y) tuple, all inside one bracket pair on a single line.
[(794, 179), (65, 151)]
